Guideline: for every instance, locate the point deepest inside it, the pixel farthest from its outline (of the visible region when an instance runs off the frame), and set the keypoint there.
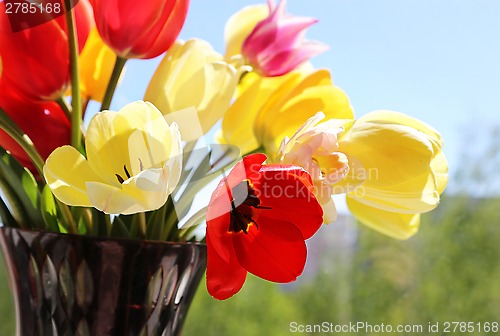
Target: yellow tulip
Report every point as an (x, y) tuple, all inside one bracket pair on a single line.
[(133, 162), (269, 109), (96, 65), (192, 74), (392, 224), (240, 25), (238, 121), (404, 171)]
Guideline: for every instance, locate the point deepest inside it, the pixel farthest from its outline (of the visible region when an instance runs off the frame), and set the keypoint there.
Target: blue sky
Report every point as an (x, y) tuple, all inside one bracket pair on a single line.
[(436, 60)]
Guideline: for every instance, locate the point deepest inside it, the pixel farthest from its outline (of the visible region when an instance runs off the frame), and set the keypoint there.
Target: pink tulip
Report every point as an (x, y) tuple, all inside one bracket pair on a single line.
[(277, 45)]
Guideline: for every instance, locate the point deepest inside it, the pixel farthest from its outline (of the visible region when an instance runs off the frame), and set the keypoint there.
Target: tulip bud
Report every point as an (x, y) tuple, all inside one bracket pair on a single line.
[(96, 65), (192, 74), (139, 29), (36, 60)]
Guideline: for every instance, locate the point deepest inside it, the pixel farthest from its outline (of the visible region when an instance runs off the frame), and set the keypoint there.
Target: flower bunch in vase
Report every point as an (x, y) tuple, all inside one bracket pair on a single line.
[(276, 133)]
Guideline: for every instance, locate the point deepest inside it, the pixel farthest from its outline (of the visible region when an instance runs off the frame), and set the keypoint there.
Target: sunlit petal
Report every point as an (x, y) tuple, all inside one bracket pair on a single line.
[(224, 277), (134, 161), (240, 25), (395, 225), (279, 243), (67, 173)]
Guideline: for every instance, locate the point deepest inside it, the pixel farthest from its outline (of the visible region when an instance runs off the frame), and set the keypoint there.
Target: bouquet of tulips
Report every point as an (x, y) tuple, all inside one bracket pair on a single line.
[(288, 139)]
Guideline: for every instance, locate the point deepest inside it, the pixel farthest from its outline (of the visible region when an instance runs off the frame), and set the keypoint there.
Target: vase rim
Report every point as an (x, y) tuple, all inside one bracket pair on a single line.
[(103, 238)]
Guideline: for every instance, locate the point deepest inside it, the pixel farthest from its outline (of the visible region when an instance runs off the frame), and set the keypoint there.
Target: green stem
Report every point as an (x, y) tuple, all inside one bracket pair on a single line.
[(142, 224), (113, 81), (185, 233), (27, 145), (64, 107), (22, 139), (67, 217), (76, 102), (87, 220), (170, 220), (109, 226)]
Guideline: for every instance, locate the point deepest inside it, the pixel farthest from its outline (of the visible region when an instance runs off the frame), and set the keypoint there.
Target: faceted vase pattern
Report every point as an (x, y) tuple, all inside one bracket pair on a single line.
[(81, 285)]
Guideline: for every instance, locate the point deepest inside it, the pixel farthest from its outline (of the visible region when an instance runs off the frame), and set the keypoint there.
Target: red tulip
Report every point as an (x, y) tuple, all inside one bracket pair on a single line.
[(139, 29), (36, 60), (84, 18), (257, 221), (44, 122)]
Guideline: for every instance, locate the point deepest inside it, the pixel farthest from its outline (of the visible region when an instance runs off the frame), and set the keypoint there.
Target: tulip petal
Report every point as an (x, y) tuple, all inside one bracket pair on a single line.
[(393, 117), (240, 25), (277, 44), (392, 154), (354, 178), (138, 127), (145, 191), (297, 83), (330, 211), (224, 277), (96, 64), (220, 202), (277, 242), (238, 121), (167, 33), (417, 195), (218, 225), (192, 75), (395, 225), (294, 103), (439, 167), (112, 18), (221, 84), (49, 43), (112, 200), (295, 112), (67, 173), (283, 62), (283, 189)]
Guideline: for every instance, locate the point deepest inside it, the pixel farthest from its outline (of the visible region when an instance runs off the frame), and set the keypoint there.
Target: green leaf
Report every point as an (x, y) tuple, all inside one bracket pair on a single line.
[(132, 221), (15, 207), (119, 229), (170, 230), (23, 184), (77, 214), (31, 187), (156, 224), (7, 218), (99, 223), (11, 128), (48, 209)]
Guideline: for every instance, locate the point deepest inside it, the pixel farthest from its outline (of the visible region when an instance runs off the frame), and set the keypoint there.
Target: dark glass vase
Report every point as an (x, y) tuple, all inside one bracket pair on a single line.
[(81, 285)]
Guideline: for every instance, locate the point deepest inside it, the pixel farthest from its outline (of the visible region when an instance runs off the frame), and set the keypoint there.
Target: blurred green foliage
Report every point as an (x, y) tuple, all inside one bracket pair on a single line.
[(7, 317), (448, 272)]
